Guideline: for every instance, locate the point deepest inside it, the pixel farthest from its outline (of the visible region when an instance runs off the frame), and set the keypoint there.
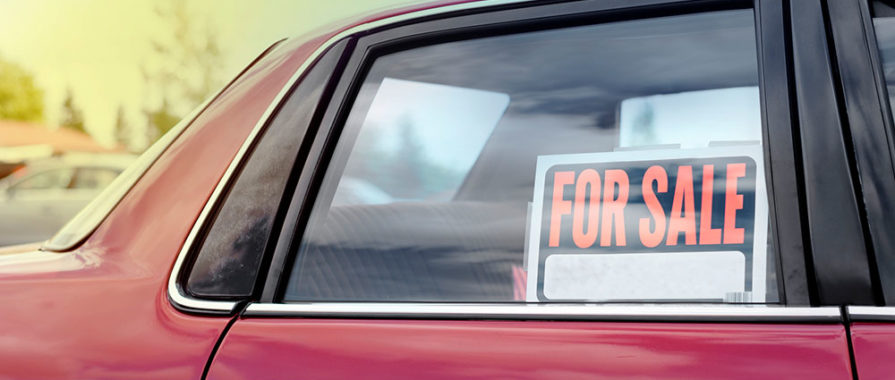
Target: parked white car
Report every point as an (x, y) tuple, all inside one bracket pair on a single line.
[(36, 200)]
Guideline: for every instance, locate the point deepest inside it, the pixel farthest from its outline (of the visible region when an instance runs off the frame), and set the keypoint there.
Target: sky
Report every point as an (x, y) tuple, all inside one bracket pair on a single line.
[(96, 47)]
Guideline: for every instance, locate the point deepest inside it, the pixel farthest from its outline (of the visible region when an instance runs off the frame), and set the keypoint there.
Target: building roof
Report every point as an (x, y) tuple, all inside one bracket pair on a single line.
[(19, 134)]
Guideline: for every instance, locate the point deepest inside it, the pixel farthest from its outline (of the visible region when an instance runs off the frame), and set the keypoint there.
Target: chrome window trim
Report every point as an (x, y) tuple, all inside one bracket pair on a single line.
[(871, 313), (572, 312), (175, 293)]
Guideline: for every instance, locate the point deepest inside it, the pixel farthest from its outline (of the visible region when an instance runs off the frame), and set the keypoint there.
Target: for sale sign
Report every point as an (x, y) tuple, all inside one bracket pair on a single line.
[(680, 225)]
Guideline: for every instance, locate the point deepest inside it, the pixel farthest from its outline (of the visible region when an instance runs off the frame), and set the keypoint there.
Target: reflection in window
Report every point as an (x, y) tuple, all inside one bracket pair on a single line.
[(417, 142), (692, 119)]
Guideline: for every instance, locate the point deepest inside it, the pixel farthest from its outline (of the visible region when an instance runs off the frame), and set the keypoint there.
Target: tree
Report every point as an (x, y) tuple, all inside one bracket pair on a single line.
[(160, 119), (407, 163), (123, 132), (71, 116), (187, 72), (20, 98), (643, 128), (406, 171)]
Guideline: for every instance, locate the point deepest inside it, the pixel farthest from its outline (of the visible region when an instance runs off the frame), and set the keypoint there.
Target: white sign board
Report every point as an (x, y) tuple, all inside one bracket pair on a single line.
[(656, 225)]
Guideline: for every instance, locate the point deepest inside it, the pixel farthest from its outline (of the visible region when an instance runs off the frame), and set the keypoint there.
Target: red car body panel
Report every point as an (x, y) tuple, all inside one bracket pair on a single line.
[(874, 346), (384, 349), (102, 311)]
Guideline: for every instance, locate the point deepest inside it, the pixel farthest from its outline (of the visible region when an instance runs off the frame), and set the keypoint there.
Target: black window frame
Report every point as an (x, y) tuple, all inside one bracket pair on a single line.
[(782, 163), (327, 65), (868, 116)]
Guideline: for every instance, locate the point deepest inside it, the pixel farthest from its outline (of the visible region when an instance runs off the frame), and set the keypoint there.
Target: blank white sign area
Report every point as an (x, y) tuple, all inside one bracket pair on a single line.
[(644, 276)]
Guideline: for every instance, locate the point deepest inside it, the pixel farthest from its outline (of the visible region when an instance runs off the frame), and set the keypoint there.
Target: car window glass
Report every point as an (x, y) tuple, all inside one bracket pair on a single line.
[(47, 180), (94, 178), (612, 162), (656, 119), (227, 262), (414, 145)]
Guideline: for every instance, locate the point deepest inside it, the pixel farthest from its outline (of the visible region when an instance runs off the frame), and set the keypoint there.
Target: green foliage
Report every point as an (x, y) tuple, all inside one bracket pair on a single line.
[(20, 98), (161, 119), (71, 116)]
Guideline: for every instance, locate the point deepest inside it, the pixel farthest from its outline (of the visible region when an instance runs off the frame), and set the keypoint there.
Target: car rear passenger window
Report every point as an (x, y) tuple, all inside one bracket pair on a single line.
[(604, 163)]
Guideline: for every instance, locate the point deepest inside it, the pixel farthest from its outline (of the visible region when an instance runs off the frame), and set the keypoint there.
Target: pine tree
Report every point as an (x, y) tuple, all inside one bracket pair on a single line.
[(71, 116), (187, 68), (122, 129)]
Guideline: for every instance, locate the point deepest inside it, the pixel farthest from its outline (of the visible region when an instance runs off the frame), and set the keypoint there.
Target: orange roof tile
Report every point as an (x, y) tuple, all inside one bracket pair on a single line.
[(19, 133)]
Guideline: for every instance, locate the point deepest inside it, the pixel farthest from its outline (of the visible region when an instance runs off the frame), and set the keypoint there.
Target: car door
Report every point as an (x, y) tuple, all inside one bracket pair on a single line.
[(511, 190), (864, 39)]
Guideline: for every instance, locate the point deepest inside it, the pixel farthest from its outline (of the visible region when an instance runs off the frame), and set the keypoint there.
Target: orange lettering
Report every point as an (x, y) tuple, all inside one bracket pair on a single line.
[(586, 238), (683, 203), (707, 234), (732, 203), (613, 209), (658, 175), (560, 206)]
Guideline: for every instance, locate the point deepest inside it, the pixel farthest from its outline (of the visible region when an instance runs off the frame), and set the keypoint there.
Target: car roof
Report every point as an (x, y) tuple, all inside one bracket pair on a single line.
[(383, 13)]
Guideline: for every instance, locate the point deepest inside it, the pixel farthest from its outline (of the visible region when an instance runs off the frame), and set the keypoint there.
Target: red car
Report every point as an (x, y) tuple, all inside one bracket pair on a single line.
[(500, 189)]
